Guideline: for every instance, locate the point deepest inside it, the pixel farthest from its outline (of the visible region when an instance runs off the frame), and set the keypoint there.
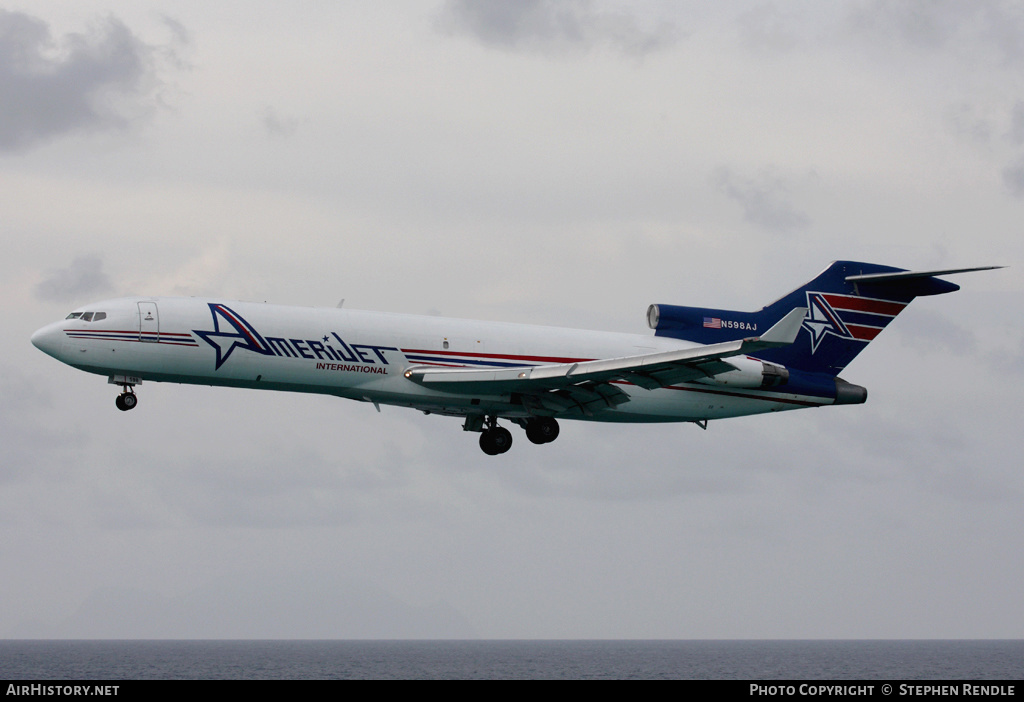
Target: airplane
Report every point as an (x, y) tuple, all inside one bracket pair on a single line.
[(701, 363)]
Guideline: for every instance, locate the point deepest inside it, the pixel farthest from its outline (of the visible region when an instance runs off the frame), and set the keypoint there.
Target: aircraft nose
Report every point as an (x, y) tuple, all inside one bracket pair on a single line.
[(48, 339)]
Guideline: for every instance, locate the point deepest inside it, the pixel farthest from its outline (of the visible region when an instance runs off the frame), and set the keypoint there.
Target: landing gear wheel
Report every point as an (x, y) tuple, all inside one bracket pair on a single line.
[(126, 401), (495, 440), (542, 430)]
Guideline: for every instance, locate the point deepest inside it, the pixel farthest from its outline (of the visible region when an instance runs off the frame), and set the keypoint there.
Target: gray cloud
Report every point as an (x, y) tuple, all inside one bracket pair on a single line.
[(1012, 359), (968, 122), (181, 35), (763, 198), (1016, 130), (765, 28), (928, 331), (311, 604), (993, 29), (553, 26), (1003, 130), (278, 125), (1013, 178), (84, 277), (48, 89), (515, 205), (32, 445)]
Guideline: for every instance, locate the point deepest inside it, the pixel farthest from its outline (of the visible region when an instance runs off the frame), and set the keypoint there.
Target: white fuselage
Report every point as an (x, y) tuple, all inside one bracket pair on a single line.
[(363, 356)]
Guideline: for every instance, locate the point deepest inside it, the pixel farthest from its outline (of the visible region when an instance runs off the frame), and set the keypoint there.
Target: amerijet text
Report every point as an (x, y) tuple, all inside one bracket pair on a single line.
[(315, 350)]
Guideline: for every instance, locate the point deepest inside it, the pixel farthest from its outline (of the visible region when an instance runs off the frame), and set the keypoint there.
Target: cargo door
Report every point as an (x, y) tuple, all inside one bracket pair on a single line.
[(149, 322)]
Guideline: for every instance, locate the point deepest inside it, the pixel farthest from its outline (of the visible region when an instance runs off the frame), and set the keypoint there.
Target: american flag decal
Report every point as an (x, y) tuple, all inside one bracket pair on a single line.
[(712, 323)]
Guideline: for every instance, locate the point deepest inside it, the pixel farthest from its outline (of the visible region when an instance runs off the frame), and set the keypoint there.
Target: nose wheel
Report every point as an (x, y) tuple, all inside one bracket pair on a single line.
[(126, 400)]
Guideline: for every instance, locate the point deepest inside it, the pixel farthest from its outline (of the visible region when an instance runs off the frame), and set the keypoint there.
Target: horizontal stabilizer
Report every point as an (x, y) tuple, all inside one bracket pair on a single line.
[(909, 275)]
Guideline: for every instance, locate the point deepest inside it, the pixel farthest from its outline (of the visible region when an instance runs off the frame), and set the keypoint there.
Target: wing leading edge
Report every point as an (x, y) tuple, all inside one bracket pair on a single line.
[(587, 385)]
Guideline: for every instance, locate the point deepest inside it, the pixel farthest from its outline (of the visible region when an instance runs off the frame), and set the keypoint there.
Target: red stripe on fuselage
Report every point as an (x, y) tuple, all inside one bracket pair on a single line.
[(504, 356), (86, 330), (442, 365)]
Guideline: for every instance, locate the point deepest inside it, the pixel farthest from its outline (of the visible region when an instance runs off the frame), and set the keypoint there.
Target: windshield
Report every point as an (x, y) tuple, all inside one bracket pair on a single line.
[(87, 316)]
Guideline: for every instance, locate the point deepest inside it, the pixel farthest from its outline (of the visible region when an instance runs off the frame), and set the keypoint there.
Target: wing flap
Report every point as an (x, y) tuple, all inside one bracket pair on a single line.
[(585, 398)]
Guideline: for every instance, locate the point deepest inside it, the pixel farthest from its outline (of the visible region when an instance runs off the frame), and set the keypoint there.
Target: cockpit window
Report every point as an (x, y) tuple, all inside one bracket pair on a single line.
[(87, 316)]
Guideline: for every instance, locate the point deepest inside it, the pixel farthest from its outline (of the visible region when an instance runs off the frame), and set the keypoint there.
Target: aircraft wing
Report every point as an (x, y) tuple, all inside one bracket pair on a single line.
[(587, 385)]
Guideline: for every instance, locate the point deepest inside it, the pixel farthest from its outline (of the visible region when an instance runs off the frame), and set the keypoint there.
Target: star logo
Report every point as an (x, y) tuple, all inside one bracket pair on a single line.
[(822, 320), (230, 332)]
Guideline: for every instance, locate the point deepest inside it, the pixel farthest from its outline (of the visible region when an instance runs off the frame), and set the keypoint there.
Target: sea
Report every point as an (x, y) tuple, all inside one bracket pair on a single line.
[(34, 660)]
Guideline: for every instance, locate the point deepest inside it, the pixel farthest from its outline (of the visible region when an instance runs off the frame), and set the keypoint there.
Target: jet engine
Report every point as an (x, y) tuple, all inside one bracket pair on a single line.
[(751, 373)]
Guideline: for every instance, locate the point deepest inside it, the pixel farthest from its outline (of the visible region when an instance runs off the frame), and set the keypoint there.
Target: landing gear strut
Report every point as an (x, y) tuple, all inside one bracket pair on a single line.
[(495, 439), (126, 400)]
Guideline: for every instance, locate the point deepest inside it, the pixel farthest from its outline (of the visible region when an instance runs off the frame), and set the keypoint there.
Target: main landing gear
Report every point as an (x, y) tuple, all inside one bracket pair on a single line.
[(127, 400), (495, 439), (541, 430)]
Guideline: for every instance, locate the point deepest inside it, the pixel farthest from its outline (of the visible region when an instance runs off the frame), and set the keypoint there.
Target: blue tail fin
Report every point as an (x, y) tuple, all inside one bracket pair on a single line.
[(848, 305)]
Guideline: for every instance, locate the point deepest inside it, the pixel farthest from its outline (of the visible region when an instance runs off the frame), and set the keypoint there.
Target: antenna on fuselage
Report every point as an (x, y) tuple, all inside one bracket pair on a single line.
[(341, 304)]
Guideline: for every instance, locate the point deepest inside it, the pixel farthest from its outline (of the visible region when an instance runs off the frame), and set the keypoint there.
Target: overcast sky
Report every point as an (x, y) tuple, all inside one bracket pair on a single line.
[(565, 163)]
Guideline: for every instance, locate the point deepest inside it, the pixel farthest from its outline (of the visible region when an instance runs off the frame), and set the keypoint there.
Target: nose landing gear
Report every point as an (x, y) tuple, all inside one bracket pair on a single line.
[(127, 400)]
